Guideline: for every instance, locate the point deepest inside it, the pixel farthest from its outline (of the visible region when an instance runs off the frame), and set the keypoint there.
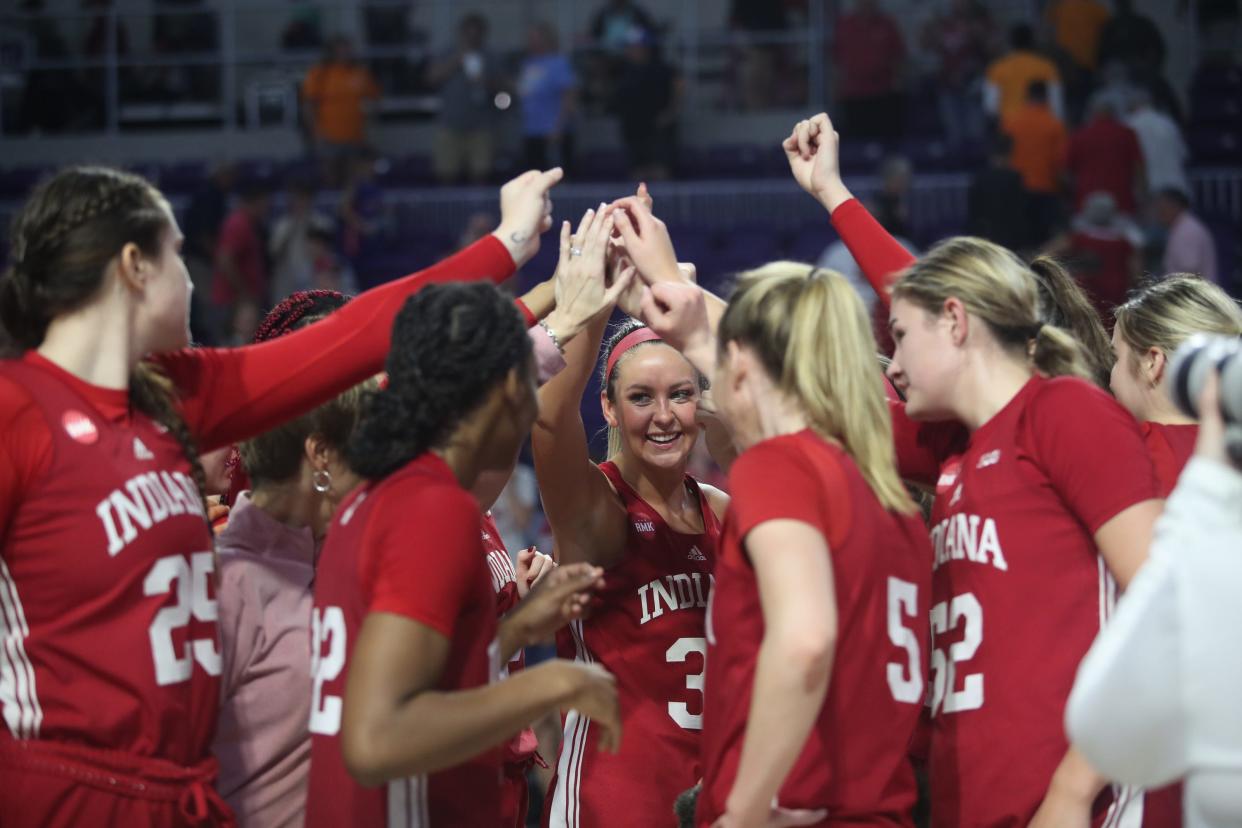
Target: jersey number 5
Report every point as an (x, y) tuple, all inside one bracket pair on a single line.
[(190, 582), (327, 627), (905, 681)]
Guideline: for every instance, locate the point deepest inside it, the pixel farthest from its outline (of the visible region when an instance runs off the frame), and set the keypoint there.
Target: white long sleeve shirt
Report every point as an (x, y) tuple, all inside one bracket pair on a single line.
[(1159, 695)]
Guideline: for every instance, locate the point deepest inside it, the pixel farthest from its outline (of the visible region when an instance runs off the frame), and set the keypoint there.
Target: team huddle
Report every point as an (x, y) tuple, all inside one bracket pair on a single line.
[(914, 552)]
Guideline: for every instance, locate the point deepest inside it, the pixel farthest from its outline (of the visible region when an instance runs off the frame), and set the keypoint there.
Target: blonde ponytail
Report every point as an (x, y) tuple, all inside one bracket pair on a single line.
[(809, 329), (994, 285)]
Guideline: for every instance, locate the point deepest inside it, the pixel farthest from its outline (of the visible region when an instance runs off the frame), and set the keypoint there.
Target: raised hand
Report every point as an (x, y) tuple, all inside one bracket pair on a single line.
[(812, 152), (532, 567), (647, 242), (677, 311), (561, 596), (526, 212), (581, 290)]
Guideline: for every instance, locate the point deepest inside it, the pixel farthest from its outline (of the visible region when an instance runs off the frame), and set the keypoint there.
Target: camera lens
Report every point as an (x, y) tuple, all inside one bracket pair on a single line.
[(1191, 365)]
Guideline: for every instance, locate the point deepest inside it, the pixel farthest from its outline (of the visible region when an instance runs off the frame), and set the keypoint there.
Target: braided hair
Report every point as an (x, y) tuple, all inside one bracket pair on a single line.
[(62, 241), (276, 454), (451, 344)]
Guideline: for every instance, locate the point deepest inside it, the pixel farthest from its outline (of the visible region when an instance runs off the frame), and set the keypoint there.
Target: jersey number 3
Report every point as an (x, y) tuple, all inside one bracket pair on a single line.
[(189, 581)]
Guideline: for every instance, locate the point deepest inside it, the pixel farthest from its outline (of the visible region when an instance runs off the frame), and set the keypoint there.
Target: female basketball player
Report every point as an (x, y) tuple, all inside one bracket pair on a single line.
[(405, 606), (1150, 326), (1043, 490), (653, 529), (818, 619), (110, 677)]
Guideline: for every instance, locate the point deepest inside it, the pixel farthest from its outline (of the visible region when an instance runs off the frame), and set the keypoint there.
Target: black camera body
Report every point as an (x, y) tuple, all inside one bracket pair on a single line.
[(1189, 369)]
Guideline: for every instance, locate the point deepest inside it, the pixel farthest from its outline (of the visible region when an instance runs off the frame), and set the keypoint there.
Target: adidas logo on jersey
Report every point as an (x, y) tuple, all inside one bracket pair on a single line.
[(141, 452), (695, 555)]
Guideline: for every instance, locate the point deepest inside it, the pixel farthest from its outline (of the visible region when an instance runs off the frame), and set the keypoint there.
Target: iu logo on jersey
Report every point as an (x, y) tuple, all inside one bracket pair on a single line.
[(79, 427)]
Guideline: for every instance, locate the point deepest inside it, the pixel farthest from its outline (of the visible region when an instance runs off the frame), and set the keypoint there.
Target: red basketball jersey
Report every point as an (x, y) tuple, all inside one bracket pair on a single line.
[(854, 762), (519, 752), (1170, 447), (1019, 590), (107, 552), (407, 545), (648, 631)]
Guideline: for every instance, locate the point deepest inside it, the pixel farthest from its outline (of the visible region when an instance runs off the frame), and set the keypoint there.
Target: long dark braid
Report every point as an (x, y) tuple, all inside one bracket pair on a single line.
[(70, 228)]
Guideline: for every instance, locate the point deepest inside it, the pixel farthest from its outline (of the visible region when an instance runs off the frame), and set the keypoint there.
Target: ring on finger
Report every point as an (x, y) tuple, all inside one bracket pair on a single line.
[(575, 251)]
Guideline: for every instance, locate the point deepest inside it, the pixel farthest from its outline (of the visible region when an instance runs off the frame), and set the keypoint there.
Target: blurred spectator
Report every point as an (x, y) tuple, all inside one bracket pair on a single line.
[(1009, 77), (1164, 151), (996, 202), (363, 216), (1115, 88), (757, 61), (239, 285), (327, 271), (293, 260), (1132, 39), (612, 25), (201, 226), (1039, 142), (548, 90), (1076, 27), (646, 101), (1104, 251), (869, 54), (960, 39), (304, 29), (1104, 156), (1189, 248), (337, 91), (891, 205), (468, 79)]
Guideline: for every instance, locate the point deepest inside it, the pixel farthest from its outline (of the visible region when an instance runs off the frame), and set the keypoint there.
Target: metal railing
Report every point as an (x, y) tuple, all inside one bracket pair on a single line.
[(238, 45)]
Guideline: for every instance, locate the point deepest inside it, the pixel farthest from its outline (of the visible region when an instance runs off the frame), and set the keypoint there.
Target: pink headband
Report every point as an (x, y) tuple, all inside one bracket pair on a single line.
[(635, 337)]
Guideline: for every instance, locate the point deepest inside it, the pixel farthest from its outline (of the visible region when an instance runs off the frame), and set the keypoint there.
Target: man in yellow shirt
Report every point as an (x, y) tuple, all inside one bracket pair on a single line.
[(1039, 145), (1076, 26), (336, 92), (1010, 76)]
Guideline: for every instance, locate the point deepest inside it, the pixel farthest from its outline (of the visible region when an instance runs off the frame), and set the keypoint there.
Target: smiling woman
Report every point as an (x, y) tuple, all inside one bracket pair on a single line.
[(654, 529)]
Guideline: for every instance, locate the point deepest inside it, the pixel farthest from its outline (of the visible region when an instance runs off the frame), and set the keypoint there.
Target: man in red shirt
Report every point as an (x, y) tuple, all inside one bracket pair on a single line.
[(239, 283), (1104, 156), (868, 51)]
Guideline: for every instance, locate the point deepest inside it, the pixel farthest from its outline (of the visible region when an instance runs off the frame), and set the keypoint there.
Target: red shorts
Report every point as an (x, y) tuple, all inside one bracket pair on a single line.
[(52, 784)]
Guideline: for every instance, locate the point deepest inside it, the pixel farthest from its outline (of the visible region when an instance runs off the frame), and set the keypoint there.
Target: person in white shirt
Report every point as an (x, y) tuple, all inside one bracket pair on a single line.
[(1156, 698), (1164, 150), (1189, 247)]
